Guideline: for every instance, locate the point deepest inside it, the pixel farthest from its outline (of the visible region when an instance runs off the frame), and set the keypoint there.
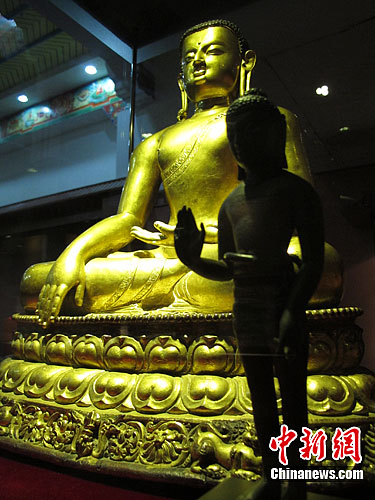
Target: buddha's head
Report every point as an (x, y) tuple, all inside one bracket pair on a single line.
[(257, 132), (215, 61)]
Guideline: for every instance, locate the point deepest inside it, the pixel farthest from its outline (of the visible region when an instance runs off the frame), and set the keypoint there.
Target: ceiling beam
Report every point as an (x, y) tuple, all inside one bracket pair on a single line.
[(85, 28)]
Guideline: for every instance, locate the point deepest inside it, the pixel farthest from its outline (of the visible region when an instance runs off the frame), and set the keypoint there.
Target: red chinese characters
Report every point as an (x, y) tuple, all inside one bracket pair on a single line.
[(314, 445), (282, 442), (344, 444), (347, 444)]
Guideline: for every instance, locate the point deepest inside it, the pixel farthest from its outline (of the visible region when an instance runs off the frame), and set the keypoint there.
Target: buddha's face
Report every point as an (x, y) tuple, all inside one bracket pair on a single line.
[(211, 63)]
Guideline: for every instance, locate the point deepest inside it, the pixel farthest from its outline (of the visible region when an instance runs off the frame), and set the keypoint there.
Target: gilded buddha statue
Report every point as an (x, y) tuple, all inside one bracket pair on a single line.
[(193, 160)]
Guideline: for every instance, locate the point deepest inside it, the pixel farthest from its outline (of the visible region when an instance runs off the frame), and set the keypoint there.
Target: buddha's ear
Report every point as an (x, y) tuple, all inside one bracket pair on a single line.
[(247, 64), (249, 60), (182, 114)]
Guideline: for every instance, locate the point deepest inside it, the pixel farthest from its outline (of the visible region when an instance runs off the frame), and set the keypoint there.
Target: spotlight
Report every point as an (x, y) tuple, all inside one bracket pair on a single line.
[(90, 69), (23, 98), (323, 90)]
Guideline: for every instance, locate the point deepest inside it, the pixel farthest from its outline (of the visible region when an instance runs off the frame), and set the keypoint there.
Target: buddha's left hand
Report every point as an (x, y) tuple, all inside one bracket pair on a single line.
[(164, 236)]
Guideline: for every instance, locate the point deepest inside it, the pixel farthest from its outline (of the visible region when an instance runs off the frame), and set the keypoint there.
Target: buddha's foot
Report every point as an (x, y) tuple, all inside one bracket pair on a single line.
[(131, 309), (181, 306)]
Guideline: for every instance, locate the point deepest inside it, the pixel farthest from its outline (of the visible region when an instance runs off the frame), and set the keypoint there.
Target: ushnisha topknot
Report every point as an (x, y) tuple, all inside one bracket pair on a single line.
[(256, 104), (256, 128), (221, 23)]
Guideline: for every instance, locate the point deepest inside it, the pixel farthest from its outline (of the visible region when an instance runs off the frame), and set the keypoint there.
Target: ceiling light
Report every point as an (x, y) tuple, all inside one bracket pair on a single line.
[(323, 90), (344, 129), (32, 170), (109, 86), (46, 109), (23, 98), (90, 69)]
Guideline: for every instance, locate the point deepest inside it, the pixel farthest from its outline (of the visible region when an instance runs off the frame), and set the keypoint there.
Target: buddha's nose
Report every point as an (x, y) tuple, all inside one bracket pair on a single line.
[(198, 58), (198, 62)]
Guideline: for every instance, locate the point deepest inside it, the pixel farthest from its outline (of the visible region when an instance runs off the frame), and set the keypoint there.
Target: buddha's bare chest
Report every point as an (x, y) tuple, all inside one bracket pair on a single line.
[(194, 142)]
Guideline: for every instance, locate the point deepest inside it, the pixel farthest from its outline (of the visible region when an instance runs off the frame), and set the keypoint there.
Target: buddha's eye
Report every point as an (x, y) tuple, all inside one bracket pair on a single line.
[(214, 51), (189, 57)]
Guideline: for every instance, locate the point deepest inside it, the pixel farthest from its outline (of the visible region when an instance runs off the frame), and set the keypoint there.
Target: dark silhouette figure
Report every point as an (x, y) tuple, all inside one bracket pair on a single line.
[(255, 225)]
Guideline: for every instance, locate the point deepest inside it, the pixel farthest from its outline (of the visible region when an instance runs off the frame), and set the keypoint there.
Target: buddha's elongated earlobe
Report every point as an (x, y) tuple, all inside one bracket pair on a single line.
[(182, 114), (247, 64)]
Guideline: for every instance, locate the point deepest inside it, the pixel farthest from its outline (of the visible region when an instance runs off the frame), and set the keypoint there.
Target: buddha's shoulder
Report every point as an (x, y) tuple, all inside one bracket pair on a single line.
[(152, 142)]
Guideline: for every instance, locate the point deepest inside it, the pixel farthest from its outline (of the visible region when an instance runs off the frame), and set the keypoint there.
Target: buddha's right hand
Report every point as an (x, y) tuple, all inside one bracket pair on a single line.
[(188, 239), (66, 273)]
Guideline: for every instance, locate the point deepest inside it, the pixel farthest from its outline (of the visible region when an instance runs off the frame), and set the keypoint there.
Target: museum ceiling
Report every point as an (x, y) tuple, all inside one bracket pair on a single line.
[(300, 46)]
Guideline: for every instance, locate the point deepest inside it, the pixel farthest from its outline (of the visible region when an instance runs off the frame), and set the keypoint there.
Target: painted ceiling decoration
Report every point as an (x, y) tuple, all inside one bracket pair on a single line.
[(96, 95), (43, 46)]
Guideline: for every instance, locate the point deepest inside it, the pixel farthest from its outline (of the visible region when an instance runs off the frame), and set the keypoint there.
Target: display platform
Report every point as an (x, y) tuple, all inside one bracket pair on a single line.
[(163, 397)]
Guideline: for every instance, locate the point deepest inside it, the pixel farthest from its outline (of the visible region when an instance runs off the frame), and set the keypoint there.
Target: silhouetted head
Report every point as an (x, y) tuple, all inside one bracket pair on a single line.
[(256, 132)]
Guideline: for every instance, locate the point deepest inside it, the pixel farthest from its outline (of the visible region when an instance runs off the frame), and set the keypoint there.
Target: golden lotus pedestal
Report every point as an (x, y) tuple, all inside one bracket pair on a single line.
[(164, 396)]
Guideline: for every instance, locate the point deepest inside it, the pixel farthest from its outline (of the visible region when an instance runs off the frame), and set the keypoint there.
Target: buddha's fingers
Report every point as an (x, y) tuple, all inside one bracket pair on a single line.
[(163, 228), (146, 236), (42, 300), (49, 305), (56, 300), (45, 310)]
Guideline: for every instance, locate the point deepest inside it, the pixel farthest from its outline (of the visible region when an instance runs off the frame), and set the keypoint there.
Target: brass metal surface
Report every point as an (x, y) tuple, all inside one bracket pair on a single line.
[(176, 344), (162, 396), (192, 450), (194, 161)]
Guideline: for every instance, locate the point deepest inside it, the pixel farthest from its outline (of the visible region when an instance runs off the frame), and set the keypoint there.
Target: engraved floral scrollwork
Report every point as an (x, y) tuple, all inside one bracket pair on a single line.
[(86, 435), (88, 351), (209, 354), (112, 390), (165, 443), (57, 349), (30, 425), (165, 354), (155, 393), (60, 431), (121, 439), (207, 395), (329, 395), (124, 353), (8, 410)]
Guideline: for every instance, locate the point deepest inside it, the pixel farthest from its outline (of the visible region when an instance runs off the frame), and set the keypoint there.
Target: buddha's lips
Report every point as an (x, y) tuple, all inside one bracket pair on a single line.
[(199, 72)]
